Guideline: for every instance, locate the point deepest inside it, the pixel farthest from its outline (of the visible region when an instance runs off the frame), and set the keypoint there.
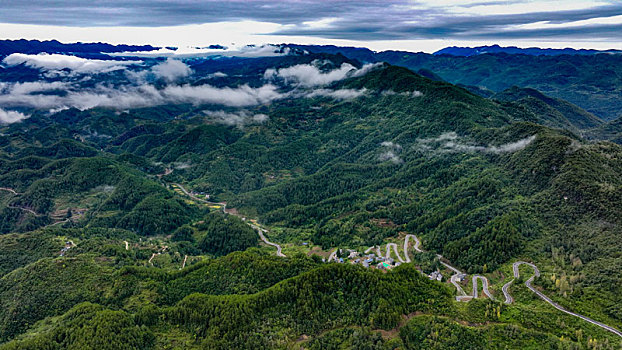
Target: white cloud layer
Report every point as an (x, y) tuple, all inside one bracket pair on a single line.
[(308, 75), (238, 118), (216, 75), (340, 94), (248, 51), (450, 142), (31, 87), (238, 97), (56, 62), (9, 117), (140, 91), (171, 70), (127, 97), (390, 151), (414, 93)]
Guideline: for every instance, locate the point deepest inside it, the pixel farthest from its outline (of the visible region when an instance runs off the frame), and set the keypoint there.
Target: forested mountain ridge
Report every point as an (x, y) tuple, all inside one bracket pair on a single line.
[(536, 51), (103, 248), (590, 81)]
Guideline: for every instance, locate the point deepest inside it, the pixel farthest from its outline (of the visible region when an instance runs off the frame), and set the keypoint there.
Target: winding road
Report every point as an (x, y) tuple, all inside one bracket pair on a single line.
[(455, 278), (259, 230), (484, 286), (9, 190), (25, 209), (223, 204), (506, 292), (184, 263), (554, 304), (369, 249), (416, 247), (388, 253), (462, 296)]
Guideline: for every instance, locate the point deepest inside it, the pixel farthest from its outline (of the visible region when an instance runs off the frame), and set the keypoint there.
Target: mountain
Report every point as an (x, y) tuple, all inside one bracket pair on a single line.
[(610, 131), (201, 210), (590, 81), (8, 47), (549, 111), (533, 51)]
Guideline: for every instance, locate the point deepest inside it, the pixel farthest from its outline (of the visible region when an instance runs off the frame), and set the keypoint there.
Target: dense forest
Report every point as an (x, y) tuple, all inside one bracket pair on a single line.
[(195, 225)]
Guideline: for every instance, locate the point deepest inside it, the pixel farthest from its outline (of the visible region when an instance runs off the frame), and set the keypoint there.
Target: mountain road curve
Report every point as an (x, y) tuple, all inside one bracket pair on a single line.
[(529, 285), (462, 296), (260, 231), (506, 292), (455, 278)]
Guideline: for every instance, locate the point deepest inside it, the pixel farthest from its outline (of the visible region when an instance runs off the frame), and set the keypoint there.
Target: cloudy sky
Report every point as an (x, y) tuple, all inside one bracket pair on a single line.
[(417, 25)]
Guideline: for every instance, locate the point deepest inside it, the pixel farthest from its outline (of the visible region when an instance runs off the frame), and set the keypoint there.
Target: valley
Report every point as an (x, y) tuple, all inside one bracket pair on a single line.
[(307, 199)]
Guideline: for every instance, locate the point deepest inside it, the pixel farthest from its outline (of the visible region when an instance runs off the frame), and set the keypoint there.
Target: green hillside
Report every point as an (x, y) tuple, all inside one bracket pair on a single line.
[(178, 230)]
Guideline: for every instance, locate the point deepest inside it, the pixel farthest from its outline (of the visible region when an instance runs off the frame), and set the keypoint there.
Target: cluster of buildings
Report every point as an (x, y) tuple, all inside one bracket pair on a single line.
[(200, 194), (67, 246), (436, 275), (367, 260)]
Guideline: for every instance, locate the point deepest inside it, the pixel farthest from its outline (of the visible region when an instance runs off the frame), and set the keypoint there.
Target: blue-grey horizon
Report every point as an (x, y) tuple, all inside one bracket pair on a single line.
[(362, 21)]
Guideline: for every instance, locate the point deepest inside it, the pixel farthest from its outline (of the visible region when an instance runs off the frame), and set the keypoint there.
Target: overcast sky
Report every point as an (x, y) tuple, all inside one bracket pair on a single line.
[(420, 25)]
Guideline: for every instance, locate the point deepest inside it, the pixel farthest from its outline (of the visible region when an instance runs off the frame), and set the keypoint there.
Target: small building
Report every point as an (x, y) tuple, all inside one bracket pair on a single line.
[(436, 275)]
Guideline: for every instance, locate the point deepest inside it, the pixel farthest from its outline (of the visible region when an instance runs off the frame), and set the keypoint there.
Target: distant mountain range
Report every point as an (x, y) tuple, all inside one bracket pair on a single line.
[(55, 46), (8, 47), (533, 51)]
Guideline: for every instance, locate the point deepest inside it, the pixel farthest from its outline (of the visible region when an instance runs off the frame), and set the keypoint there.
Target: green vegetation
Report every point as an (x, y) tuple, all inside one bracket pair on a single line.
[(224, 234), (101, 250), (90, 326)]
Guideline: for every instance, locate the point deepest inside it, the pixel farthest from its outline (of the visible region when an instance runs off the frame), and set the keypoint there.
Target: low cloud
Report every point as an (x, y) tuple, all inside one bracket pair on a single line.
[(390, 144), (57, 96), (239, 118), (450, 142), (389, 152), (237, 97), (414, 93), (249, 51), (181, 165), (32, 87), (216, 75), (57, 63), (128, 97), (171, 70), (10, 117), (340, 94), (309, 75)]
